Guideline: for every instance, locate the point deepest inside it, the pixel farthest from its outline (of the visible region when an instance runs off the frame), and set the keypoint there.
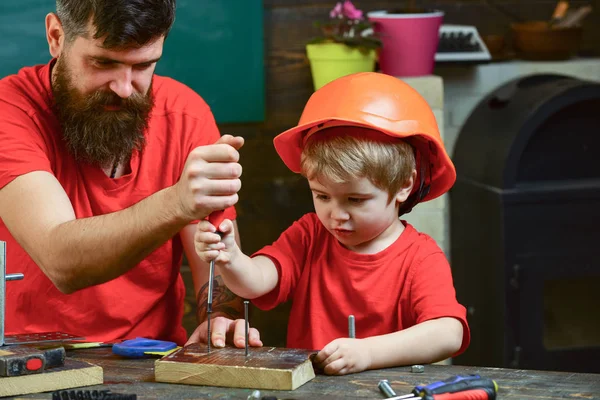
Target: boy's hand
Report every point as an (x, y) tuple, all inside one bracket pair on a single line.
[(343, 356), (210, 245)]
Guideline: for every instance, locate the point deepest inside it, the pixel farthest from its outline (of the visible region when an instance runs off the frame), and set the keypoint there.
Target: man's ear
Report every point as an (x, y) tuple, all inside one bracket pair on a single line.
[(55, 35), (406, 189)]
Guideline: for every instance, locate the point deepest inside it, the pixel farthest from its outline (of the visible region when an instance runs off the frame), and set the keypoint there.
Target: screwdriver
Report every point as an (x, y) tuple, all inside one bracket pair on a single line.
[(473, 394), (459, 387), (214, 218)]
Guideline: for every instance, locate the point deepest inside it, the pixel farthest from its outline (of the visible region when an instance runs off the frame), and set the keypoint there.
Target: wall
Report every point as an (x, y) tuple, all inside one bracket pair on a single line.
[(464, 86), (272, 197)]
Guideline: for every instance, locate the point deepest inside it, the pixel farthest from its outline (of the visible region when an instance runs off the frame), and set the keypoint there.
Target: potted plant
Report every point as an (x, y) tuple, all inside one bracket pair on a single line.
[(410, 39), (347, 45)]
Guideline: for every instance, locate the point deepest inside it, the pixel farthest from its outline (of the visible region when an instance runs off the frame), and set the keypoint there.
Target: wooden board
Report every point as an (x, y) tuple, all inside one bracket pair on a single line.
[(264, 367), (72, 375)]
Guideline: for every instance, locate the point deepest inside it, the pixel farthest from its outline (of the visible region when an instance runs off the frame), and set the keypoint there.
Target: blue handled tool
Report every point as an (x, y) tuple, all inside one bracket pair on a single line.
[(141, 347), (459, 387), (455, 384)]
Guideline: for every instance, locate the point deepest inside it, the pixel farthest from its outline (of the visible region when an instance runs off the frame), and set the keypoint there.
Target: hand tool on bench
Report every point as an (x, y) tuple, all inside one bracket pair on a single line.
[(141, 347), (214, 218), (459, 387), (18, 360)]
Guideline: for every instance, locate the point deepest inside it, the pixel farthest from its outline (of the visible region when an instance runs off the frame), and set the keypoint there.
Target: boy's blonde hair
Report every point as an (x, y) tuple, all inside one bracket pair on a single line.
[(344, 153)]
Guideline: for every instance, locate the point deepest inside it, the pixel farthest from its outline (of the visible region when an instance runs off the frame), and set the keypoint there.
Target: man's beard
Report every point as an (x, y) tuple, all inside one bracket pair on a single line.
[(94, 134)]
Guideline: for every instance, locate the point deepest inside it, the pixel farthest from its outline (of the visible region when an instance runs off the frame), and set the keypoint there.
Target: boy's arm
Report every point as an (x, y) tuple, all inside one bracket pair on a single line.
[(424, 343), (250, 277), (227, 307), (247, 277)]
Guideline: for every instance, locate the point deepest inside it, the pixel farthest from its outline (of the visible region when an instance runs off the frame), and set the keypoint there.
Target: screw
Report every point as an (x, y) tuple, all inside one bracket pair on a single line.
[(417, 369), (246, 302), (351, 329), (255, 395), (386, 389)]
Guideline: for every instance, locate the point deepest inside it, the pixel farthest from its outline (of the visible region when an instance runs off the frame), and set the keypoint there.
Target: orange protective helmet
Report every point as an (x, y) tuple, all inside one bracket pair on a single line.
[(383, 103)]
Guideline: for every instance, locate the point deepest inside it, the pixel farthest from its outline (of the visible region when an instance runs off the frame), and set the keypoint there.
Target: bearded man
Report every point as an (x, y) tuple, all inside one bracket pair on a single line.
[(104, 169)]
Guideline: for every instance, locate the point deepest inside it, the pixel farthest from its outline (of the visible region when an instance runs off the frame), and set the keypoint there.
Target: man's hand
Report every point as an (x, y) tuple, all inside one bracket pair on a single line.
[(211, 178), (343, 356), (225, 330)]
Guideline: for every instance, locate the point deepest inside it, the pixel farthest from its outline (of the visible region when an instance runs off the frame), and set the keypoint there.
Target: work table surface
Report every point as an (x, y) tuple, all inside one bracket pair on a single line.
[(137, 376)]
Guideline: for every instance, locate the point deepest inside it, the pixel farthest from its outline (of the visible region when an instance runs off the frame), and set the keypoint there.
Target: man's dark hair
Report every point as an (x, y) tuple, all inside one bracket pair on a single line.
[(124, 23)]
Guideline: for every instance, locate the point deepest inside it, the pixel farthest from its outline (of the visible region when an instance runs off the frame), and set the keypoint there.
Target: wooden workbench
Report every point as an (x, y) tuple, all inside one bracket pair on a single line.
[(137, 376)]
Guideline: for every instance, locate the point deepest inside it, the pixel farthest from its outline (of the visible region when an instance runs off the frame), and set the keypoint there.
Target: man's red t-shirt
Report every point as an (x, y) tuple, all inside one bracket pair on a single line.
[(146, 301), (407, 283)]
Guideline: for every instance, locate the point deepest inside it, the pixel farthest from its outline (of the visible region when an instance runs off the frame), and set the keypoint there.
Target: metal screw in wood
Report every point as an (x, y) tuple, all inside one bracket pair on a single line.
[(246, 324)]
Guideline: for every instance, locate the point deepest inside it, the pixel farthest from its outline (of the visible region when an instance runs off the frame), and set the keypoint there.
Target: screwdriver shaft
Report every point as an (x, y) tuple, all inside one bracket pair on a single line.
[(209, 301)]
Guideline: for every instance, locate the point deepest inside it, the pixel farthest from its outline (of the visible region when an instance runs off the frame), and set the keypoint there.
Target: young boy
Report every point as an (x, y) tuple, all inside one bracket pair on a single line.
[(370, 148)]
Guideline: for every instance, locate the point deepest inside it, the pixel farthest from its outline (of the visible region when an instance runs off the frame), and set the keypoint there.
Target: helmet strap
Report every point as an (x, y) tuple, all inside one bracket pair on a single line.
[(423, 190)]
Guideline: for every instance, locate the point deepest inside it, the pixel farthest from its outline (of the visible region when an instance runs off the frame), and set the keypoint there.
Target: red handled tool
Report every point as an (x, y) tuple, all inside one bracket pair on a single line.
[(459, 387), (22, 360), (214, 218), (474, 394)]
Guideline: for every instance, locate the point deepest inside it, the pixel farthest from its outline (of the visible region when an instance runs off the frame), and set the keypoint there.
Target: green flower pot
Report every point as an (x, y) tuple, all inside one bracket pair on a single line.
[(329, 61)]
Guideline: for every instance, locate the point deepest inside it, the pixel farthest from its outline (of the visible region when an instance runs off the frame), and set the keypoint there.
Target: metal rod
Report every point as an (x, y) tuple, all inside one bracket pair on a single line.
[(209, 301), (15, 277), (404, 397), (2, 288), (351, 329), (386, 389), (246, 324)]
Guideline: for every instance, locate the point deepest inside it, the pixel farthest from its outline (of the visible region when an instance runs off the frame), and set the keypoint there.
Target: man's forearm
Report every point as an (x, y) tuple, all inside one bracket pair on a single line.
[(90, 251), (225, 302)]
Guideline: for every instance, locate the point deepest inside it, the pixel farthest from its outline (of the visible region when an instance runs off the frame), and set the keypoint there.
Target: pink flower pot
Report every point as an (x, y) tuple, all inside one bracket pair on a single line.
[(410, 41)]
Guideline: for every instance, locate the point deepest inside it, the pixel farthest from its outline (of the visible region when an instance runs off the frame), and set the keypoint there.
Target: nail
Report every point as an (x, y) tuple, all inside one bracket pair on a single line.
[(246, 338), (351, 330)]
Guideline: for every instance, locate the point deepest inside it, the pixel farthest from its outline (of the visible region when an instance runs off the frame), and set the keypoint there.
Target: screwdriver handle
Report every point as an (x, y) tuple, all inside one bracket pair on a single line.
[(458, 380), (475, 394), (458, 383), (216, 217)]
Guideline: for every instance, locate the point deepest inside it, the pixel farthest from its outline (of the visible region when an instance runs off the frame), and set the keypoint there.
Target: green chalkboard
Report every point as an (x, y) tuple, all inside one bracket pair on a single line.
[(215, 47)]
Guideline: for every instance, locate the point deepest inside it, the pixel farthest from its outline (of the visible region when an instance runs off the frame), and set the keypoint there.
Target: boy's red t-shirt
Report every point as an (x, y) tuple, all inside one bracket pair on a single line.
[(407, 283), (146, 301)]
